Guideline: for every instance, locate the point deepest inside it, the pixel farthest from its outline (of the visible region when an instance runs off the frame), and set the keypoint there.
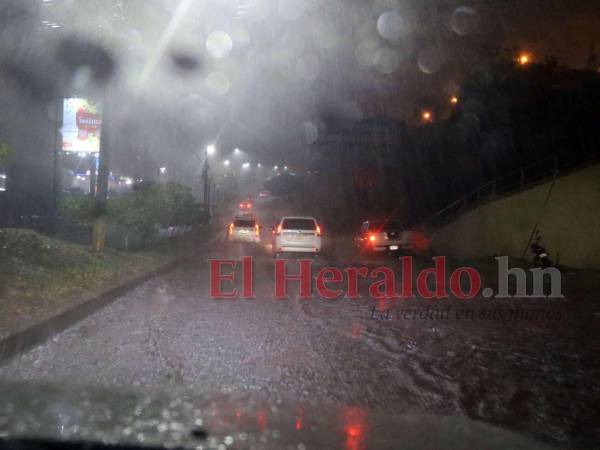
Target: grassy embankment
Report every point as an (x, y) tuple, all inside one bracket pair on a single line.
[(41, 277)]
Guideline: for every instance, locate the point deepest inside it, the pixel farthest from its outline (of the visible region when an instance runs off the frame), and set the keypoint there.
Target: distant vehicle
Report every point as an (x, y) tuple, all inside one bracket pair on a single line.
[(297, 234), (264, 194), (246, 205), (383, 236), (244, 229)]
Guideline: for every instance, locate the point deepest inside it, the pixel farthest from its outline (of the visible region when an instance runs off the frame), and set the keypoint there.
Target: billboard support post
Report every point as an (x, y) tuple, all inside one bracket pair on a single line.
[(99, 229), (92, 170)]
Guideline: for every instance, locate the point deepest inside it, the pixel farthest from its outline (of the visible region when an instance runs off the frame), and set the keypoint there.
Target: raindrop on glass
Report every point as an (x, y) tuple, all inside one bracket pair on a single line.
[(390, 25), (219, 44)]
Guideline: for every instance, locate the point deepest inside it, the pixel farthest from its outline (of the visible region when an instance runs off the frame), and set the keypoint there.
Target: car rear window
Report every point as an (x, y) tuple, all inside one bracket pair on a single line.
[(298, 224), (381, 225), (243, 223)]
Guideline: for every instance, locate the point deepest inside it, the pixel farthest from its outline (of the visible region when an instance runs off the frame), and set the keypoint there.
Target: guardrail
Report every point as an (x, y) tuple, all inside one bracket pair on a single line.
[(521, 179)]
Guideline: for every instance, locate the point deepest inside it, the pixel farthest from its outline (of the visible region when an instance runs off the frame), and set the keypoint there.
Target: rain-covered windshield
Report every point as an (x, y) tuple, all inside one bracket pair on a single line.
[(191, 194)]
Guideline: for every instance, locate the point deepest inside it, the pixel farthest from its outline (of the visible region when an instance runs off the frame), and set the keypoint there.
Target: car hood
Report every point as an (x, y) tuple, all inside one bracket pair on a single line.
[(226, 421)]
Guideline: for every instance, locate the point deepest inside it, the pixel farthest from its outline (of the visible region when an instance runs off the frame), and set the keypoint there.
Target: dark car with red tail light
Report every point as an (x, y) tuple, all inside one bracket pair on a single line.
[(383, 236)]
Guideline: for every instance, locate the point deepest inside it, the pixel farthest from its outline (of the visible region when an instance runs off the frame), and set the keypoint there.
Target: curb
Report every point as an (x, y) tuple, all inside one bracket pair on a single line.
[(35, 335)]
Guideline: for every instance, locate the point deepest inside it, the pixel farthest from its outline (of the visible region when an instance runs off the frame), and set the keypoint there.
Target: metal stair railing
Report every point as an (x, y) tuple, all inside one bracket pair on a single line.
[(516, 181)]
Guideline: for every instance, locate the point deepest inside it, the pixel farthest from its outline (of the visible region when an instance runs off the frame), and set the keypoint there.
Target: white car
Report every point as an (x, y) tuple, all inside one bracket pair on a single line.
[(300, 234), (244, 229)]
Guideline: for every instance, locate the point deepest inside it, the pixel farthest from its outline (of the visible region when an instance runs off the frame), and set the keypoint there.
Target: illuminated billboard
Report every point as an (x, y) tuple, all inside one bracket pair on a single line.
[(82, 123)]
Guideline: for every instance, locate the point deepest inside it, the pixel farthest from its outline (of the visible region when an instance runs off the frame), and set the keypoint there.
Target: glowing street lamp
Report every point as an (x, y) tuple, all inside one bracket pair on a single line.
[(427, 116), (454, 99), (237, 151), (210, 150), (246, 165), (276, 168), (285, 167), (524, 59), (226, 163)]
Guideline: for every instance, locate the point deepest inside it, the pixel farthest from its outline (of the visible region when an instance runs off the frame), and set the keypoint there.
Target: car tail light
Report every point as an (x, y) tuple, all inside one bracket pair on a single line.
[(319, 230), (372, 237), (256, 230), (241, 205), (278, 229), (231, 228)]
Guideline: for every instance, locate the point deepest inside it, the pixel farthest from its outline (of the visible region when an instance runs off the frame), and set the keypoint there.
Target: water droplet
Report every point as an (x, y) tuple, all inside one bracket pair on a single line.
[(391, 25), (431, 59), (464, 20), (219, 44)]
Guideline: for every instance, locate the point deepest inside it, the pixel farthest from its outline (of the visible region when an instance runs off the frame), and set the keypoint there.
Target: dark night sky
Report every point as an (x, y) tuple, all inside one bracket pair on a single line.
[(569, 31), (288, 69)]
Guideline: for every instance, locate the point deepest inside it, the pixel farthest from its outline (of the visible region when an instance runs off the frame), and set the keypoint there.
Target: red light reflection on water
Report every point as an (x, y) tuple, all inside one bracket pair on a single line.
[(355, 424), (299, 423), (262, 420), (357, 330)]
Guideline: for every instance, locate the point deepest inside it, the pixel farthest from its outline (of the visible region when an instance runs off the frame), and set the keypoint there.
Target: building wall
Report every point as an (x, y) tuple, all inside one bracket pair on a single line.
[(569, 224)]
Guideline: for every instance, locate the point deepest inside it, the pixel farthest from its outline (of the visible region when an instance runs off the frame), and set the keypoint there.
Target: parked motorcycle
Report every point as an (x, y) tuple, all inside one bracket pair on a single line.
[(540, 254)]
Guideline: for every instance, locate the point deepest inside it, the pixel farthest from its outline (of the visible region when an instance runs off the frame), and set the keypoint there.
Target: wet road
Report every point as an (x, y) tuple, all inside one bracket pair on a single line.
[(536, 377)]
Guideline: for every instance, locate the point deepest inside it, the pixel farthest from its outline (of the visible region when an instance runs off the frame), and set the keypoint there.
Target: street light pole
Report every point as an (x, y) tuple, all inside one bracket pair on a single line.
[(206, 181), (205, 191)]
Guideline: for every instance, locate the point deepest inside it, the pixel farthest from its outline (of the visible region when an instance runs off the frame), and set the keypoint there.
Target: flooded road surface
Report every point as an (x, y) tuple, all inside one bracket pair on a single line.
[(535, 374)]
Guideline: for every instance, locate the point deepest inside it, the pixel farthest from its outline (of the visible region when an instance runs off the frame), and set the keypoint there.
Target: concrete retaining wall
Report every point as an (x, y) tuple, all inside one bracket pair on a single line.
[(569, 224)]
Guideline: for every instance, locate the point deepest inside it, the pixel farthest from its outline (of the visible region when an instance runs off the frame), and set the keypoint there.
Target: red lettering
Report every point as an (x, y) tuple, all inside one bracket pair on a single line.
[(407, 274), (323, 278), (304, 277), (440, 280), (474, 283), (248, 277), (216, 277), (352, 273), (388, 283)]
